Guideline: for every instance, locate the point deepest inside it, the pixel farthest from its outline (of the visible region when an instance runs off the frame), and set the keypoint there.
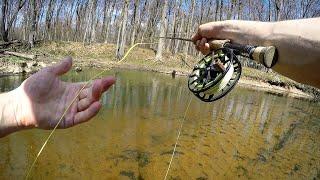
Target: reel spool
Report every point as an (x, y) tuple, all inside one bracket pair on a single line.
[(215, 75)]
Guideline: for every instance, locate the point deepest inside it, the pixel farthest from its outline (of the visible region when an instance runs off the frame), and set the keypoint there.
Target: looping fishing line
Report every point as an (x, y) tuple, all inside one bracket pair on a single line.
[(177, 140), (74, 99)]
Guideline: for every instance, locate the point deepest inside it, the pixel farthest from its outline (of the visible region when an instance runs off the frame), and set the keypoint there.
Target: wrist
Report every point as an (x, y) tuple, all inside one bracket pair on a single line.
[(23, 108), (13, 113)]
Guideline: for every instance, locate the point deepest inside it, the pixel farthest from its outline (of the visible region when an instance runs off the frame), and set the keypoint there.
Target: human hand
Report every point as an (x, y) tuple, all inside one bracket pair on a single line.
[(43, 98), (242, 32)]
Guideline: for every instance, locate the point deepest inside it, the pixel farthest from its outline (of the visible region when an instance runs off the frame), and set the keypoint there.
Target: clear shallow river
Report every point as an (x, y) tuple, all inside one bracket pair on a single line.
[(247, 134)]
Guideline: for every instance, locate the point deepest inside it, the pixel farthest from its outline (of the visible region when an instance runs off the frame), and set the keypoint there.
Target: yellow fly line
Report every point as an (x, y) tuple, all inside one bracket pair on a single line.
[(177, 139), (74, 99)]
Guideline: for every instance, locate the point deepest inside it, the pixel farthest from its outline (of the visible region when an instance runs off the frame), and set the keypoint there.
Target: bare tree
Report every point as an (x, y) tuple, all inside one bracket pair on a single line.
[(163, 26), (110, 13), (32, 34), (135, 20), (172, 30), (189, 27), (124, 22), (51, 6), (7, 19), (120, 49)]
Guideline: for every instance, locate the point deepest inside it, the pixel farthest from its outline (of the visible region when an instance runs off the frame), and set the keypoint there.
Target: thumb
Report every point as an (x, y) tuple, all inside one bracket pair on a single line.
[(62, 67)]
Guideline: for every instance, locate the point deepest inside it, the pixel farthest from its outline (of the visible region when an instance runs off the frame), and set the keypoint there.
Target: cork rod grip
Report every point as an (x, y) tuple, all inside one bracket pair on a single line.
[(264, 55)]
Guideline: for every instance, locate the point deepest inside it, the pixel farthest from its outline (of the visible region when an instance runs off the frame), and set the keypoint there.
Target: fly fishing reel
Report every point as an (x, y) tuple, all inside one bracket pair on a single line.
[(217, 73)]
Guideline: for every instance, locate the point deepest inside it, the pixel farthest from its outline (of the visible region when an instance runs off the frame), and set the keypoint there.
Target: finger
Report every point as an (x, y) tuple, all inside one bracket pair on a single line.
[(196, 37), (92, 94), (62, 67), (107, 82), (205, 49), (69, 117), (202, 42), (198, 43), (207, 46), (85, 90), (84, 93), (96, 90), (84, 103), (87, 114)]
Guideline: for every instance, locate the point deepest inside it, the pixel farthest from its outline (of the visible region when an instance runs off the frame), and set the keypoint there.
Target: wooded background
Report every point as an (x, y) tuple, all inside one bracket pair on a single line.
[(124, 22)]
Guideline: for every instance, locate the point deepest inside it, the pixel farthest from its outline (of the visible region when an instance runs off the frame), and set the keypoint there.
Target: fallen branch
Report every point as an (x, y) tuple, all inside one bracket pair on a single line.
[(22, 55), (9, 43)]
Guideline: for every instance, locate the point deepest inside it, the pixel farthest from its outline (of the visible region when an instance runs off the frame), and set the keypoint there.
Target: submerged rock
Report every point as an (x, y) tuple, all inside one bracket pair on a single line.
[(296, 167), (141, 157), (170, 152), (201, 178), (286, 136)]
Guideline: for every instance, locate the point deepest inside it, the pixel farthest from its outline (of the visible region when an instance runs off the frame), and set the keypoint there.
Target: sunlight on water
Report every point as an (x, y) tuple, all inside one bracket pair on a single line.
[(247, 134)]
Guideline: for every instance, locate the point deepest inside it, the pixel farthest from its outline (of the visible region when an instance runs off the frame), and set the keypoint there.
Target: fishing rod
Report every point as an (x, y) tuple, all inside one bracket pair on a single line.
[(217, 73)]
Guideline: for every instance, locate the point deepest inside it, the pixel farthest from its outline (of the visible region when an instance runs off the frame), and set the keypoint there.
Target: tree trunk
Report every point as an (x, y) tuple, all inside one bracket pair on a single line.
[(32, 34), (7, 19), (105, 14), (180, 32), (173, 25), (72, 14), (201, 12), (269, 10), (4, 33), (93, 21), (217, 9), (239, 9), (120, 50), (189, 27), (88, 23), (110, 14), (49, 18), (135, 20), (208, 14), (163, 26), (278, 6), (79, 12), (221, 10), (139, 30), (150, 12), (230, 10), (56, 23)]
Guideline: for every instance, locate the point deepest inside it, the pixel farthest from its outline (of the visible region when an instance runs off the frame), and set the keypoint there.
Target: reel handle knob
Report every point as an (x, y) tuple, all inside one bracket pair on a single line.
[(265, 55)]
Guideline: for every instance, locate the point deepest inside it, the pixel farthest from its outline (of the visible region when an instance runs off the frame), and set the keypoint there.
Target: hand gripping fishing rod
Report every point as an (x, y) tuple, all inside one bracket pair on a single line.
[(216, 74), (264, 55)]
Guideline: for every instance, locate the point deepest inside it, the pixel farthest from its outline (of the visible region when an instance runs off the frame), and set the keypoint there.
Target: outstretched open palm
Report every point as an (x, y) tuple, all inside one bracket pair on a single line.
[(46, 97)]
